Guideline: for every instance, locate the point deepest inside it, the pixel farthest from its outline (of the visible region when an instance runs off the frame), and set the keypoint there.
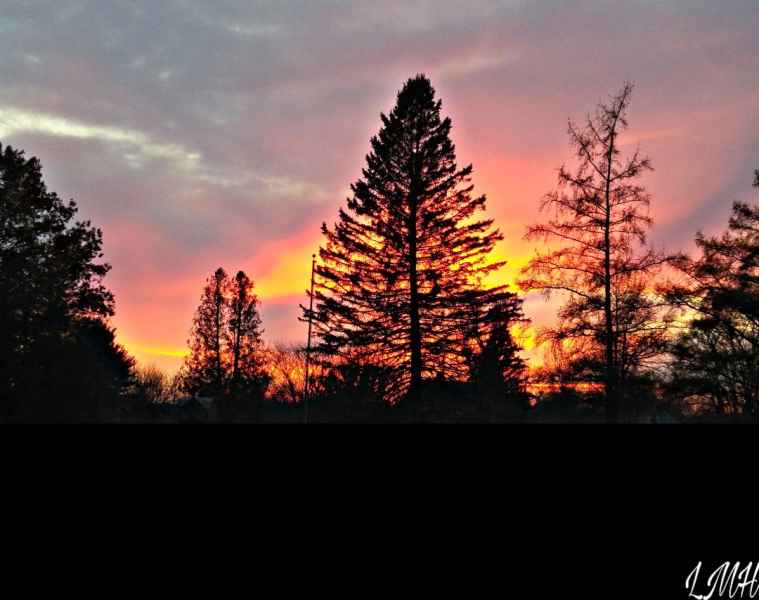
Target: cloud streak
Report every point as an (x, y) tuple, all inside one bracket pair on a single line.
[(139, 147)]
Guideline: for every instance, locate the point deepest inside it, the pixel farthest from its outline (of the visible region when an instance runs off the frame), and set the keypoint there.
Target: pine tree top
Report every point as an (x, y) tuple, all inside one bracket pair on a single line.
[(417, 91)]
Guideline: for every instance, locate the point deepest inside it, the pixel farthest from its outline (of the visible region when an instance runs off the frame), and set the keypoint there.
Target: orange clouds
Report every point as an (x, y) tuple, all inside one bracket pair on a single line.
[(284, 267)]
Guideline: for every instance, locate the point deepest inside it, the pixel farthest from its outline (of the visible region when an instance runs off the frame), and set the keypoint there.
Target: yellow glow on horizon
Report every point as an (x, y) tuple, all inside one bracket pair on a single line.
[(165, 351), (281, 273)]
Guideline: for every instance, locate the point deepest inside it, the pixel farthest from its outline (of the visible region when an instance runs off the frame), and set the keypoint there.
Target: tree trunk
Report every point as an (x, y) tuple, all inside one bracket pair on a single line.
[(415, 333), (237, 344), (217, 334), (416, 336), (612, 404)]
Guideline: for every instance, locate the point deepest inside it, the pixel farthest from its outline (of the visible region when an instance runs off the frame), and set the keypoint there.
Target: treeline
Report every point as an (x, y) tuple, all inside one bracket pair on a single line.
[(406, 322)]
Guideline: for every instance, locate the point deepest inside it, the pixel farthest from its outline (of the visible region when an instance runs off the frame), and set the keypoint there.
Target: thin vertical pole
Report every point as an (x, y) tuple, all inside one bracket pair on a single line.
[(308, 345)]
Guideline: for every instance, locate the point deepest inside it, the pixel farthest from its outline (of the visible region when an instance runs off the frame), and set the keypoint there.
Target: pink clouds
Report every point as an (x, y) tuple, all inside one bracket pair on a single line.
[(278, 105)]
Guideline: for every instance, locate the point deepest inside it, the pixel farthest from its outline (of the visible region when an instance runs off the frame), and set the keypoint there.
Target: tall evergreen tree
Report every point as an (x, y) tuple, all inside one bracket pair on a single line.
[(205, 368), (243, 336), (400, 267), (226, 359), (600, 223), (51, 277)]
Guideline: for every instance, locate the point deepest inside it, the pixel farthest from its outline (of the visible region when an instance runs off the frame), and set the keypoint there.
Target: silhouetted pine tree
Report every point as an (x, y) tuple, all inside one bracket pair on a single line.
[(226, 359), (243, 341), (400, 267), (205, 370), (51, 294)]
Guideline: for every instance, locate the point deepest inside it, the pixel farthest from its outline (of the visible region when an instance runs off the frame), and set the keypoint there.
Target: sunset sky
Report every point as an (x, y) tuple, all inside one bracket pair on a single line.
[(199, 134)]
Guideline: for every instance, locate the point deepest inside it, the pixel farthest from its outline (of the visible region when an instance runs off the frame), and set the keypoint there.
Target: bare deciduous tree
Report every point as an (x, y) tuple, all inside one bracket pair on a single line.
[(601, 219)]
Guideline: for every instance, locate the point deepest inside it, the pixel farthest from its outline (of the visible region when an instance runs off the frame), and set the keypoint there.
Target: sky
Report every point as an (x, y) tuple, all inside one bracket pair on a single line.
[(201, 134)]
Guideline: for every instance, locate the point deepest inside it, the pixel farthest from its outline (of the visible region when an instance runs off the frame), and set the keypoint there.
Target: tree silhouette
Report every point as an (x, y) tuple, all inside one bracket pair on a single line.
[(52, 291), (599, 220), (227, 358), (243, 340), (95, 373), (717, 358), (497, 370), (205, 368), (400, 267), (244, 335)]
